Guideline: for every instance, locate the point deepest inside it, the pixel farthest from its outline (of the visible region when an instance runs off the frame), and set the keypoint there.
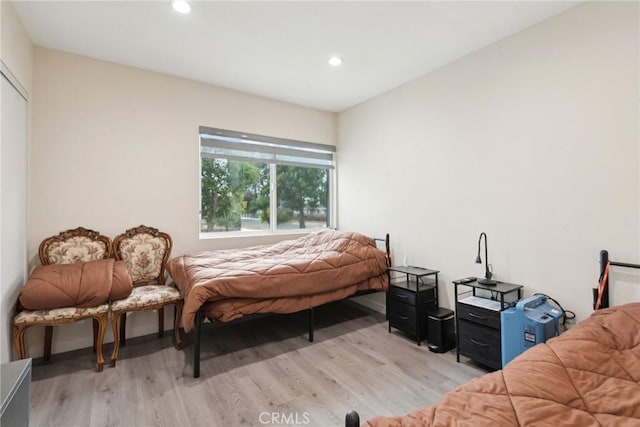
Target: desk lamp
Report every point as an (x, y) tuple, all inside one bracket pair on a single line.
[(487, 274)]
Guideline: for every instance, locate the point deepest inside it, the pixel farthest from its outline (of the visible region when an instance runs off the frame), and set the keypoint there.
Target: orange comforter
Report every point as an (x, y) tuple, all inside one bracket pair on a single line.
[(588, 376), (282, 278), (84, 284)]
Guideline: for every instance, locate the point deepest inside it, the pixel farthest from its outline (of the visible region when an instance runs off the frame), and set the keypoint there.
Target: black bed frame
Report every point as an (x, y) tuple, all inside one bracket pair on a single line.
[(604, 259), (197, 329)]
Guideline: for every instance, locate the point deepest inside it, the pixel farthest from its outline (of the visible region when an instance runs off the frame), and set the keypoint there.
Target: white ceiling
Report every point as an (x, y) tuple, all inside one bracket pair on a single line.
[(280, 49)]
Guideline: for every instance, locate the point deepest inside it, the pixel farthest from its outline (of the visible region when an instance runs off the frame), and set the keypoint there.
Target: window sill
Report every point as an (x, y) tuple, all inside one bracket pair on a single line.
[(249, 234)]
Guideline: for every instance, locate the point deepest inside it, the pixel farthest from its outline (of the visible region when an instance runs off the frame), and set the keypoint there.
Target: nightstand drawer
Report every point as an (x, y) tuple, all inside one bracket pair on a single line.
[(404, 317), (402, 295), (479, 315), (480, 343)]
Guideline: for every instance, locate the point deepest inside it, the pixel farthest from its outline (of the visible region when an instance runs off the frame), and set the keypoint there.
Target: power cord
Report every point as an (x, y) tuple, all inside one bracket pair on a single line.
[(566, 314)]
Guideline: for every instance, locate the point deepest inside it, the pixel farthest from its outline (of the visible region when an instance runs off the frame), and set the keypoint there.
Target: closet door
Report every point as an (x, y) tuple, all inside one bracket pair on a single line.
[(13, 205)]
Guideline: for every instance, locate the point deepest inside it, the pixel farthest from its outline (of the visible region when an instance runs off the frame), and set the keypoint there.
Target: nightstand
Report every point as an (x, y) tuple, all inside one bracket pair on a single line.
[(478, 320), (409, 296)]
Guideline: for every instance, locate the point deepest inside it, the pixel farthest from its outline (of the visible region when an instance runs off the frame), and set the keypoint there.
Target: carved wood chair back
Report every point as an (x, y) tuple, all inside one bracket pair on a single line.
[(145, 251), (76, 245)]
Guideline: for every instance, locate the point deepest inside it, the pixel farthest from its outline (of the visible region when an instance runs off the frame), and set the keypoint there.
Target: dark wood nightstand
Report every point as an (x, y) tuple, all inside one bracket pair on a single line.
[(409, 296)]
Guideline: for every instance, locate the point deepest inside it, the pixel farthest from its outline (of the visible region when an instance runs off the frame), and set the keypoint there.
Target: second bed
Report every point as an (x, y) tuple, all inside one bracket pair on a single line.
[(286, 277)]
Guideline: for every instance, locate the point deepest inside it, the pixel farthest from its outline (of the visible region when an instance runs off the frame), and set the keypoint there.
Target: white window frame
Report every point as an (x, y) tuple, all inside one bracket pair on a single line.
[(273, 151)]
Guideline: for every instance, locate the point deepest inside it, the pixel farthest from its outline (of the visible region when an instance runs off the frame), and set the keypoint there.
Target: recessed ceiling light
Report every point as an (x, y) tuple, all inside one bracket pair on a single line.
[(181, 6), (335, 61)]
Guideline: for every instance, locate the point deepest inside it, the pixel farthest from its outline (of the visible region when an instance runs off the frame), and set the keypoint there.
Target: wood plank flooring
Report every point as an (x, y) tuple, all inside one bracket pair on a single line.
[(253, 373)]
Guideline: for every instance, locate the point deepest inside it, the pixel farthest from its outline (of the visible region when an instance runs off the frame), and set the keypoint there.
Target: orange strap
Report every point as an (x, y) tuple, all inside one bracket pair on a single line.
[(602, 285)]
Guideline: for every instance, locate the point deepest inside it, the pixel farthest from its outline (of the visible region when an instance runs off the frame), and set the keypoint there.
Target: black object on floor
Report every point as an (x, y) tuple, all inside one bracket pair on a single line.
[(440, 329)]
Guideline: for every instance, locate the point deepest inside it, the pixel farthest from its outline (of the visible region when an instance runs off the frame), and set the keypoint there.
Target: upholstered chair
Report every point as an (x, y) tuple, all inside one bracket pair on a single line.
[(145, 251), (68, 247)]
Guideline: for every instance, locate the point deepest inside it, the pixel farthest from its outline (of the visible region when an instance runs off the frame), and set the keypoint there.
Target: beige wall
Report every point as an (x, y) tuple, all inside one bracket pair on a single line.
[(115, 147), (16, 52), (534, 140), (16, 46)]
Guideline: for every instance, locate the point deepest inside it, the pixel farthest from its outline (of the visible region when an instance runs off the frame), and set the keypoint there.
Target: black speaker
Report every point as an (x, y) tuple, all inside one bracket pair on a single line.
[(441, 334)]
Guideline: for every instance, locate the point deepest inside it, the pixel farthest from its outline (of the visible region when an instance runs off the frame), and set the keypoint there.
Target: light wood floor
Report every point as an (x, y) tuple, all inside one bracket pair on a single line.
[(249, 368)]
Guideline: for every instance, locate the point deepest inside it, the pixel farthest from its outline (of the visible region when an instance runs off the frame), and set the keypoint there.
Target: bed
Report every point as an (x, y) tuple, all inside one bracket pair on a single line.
[(588, 376), (287, 277)]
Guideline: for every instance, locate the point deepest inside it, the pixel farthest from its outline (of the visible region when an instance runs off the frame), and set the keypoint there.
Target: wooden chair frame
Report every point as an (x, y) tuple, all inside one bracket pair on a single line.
[(119, 318), (100, 320)]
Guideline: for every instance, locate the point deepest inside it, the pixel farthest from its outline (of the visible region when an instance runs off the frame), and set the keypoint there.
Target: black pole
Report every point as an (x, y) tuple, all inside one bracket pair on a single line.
[(487, 273), (387, 245), (624, 264), (311, 321), (604, 303), (196, 344)]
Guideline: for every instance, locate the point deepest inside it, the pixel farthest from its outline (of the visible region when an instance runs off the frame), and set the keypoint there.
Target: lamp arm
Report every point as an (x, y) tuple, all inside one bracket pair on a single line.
[(487, 273)]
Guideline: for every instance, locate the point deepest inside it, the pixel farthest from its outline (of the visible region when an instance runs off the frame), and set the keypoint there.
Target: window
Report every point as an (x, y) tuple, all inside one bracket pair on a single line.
[(245, 177)]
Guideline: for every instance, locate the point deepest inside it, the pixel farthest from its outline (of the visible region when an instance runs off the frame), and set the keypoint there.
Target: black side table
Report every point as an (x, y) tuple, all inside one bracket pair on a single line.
[(478, 320), (409, 297)]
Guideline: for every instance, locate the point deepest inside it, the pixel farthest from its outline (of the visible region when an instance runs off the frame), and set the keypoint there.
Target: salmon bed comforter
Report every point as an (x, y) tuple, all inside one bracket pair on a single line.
[(286, 277), (588, 376)]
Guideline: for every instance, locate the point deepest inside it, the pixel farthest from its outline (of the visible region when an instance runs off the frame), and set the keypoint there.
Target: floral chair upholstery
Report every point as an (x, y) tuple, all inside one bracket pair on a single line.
[(145, 251), (68, 247)]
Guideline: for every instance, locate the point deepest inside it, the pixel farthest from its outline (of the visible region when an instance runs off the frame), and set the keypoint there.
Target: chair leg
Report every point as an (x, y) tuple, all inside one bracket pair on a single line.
[(102, 328), (18, 340), (95, 335), (123, 330), (161, 322), (115, 324), (177, 315), (48, 334)]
